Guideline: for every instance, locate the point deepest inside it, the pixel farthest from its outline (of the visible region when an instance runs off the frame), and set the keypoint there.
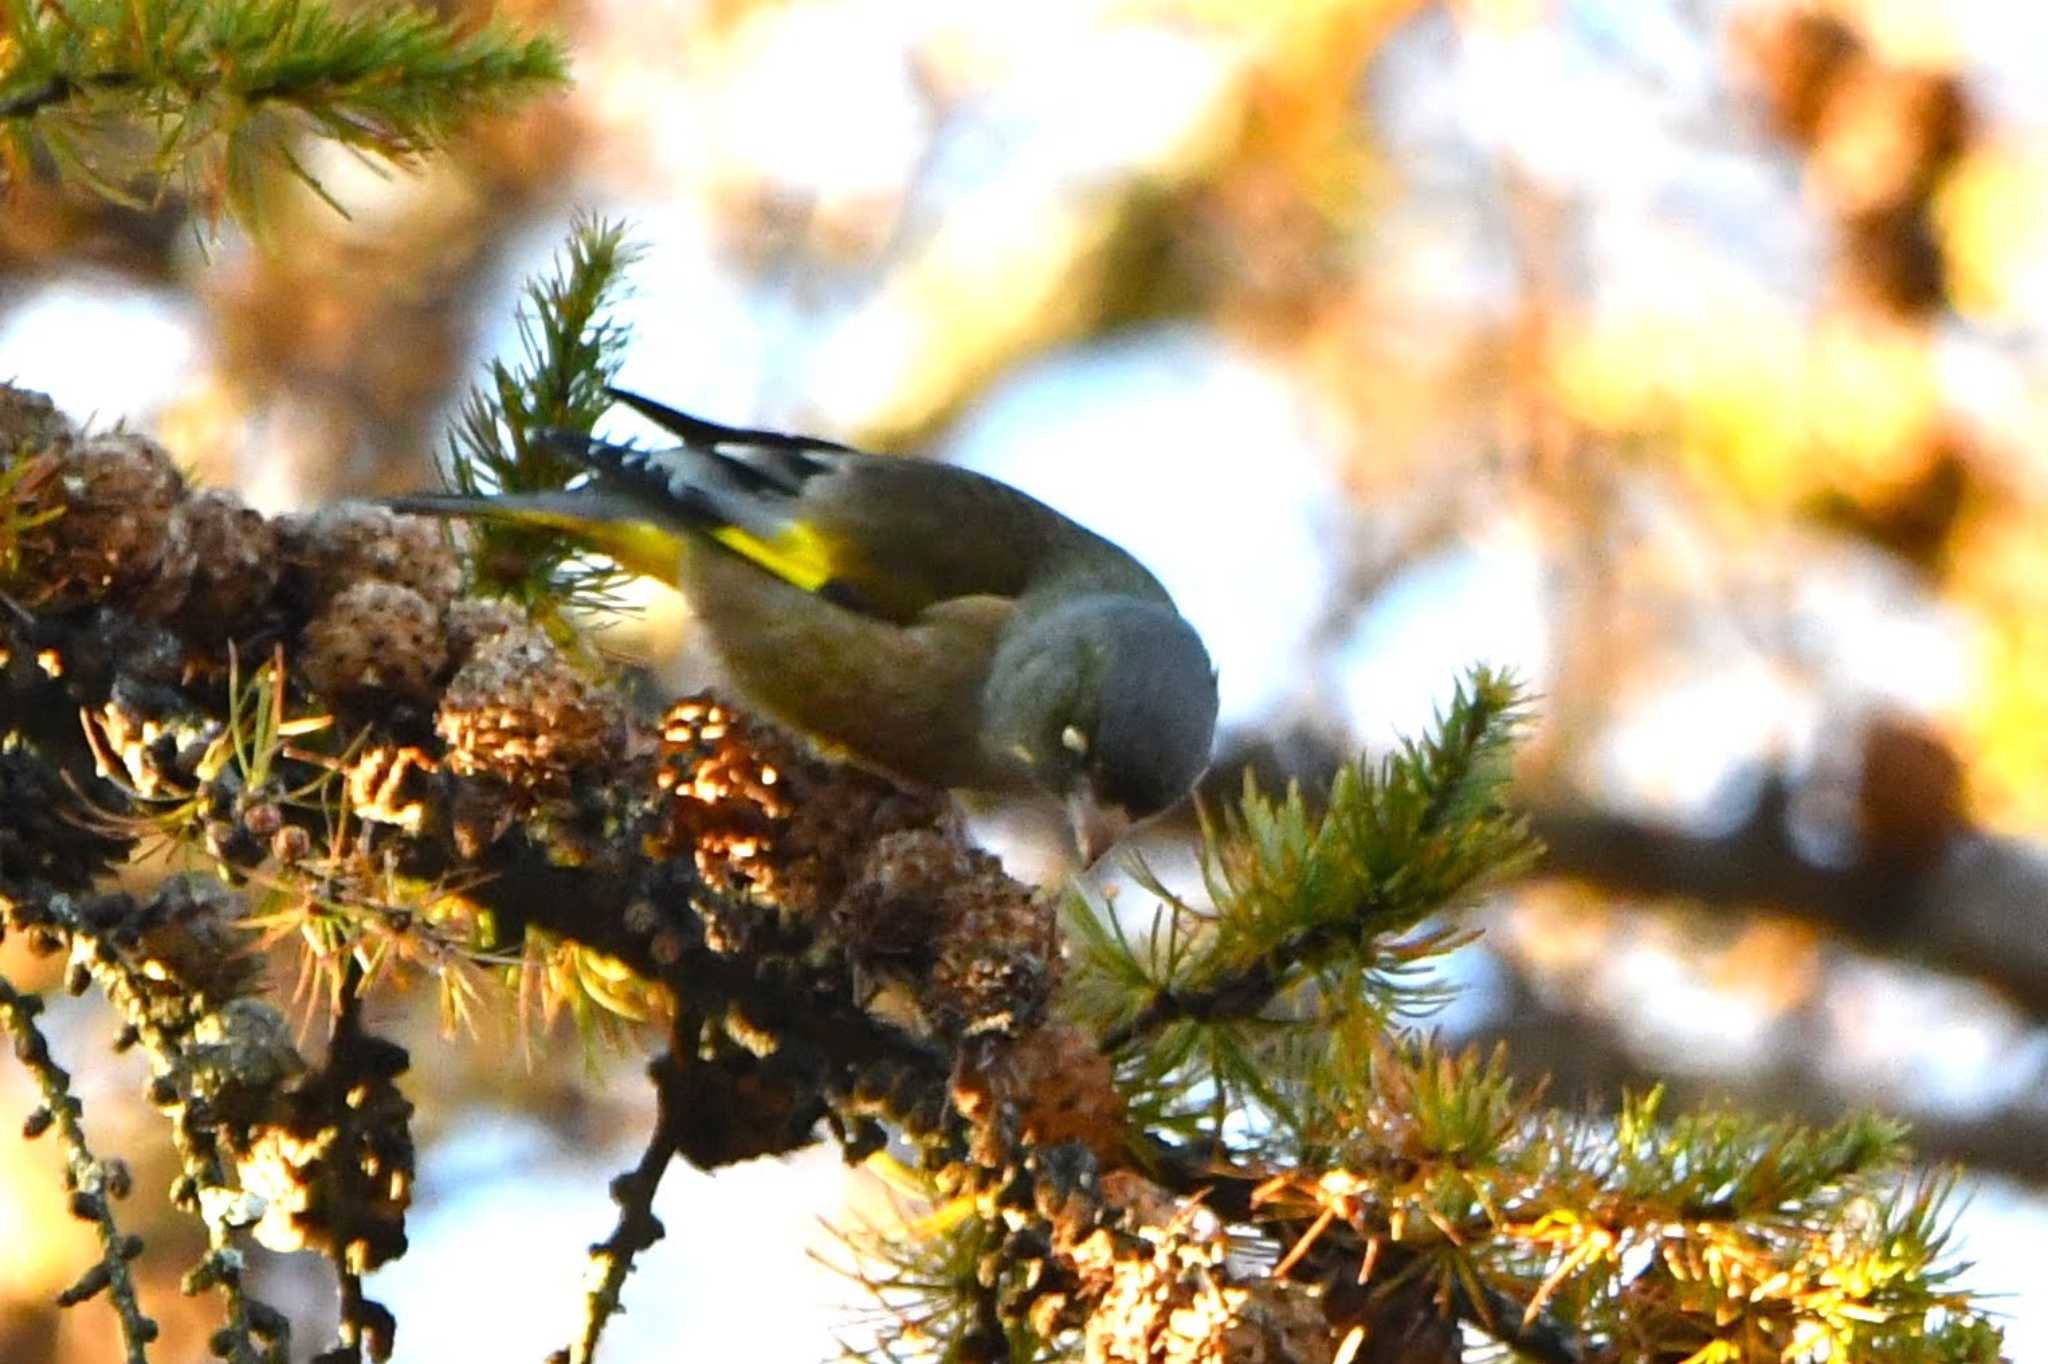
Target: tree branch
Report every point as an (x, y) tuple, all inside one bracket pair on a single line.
[(94, 1184), (637, 1228), (1971, 906)]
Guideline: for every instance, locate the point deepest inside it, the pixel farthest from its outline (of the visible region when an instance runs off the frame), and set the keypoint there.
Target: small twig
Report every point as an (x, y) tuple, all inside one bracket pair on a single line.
[(63, 87), (637, 1227), (34, 100), (94, 1184), (363, 1321), (350, 1333), (1238, 994)]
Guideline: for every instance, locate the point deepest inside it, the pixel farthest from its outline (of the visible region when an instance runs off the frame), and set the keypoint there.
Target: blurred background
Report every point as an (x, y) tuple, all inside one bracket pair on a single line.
[(1689, 356)]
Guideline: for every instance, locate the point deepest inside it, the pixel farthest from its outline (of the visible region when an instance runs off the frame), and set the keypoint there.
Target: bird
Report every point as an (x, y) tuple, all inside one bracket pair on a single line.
[(922, 620)]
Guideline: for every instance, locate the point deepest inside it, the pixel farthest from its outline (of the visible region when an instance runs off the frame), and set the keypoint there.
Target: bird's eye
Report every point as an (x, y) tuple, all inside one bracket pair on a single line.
[(1074, 741)]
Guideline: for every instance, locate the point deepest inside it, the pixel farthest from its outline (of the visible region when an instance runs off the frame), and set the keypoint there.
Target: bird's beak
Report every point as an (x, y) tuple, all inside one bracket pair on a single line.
[(1098, 825)]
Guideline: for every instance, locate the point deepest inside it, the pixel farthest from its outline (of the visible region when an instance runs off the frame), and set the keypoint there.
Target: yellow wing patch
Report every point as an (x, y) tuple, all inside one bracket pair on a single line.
[(797, 555), (642, 547)]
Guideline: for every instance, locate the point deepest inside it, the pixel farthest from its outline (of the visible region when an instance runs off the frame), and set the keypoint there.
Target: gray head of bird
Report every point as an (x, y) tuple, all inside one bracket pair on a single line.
[(1109, 703)]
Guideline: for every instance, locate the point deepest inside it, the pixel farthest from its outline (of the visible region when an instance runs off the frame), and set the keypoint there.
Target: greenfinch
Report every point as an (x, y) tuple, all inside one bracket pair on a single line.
[(920, 619)]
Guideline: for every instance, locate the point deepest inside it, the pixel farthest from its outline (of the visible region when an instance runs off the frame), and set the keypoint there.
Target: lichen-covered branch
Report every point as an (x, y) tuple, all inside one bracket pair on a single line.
[(93, 1184), (637, 1227), (341, 1172)]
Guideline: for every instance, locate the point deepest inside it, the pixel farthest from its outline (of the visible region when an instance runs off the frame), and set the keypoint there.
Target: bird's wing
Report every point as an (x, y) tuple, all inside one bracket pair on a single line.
[(885, 536)]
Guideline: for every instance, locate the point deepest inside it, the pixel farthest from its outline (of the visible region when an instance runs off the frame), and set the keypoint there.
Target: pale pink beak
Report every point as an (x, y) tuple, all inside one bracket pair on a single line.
[(1098, 826)]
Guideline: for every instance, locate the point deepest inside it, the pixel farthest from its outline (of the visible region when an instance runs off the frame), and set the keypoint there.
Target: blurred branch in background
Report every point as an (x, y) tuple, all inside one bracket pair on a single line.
[(1592, 1053), (1965, 903)]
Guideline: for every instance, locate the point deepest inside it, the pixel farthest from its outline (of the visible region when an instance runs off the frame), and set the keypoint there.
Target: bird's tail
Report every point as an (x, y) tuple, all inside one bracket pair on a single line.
[(564, 510), (440, 504), (613, 524)]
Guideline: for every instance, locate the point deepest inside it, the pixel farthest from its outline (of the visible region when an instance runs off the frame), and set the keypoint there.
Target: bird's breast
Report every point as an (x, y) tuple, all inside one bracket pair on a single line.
[(904, 699)]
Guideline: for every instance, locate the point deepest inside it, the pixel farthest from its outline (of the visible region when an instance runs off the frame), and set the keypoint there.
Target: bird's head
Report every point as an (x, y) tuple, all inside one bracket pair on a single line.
[(1108, 703)]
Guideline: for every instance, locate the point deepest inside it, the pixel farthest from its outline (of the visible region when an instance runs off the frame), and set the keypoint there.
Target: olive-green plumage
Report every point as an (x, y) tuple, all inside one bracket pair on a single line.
[(921, 619)]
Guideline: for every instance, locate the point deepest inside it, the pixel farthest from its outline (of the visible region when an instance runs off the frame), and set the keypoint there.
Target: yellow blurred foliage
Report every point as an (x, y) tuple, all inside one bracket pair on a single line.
[(1758, 402), (1992, 215), (2000, 575), (1919, 33)]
